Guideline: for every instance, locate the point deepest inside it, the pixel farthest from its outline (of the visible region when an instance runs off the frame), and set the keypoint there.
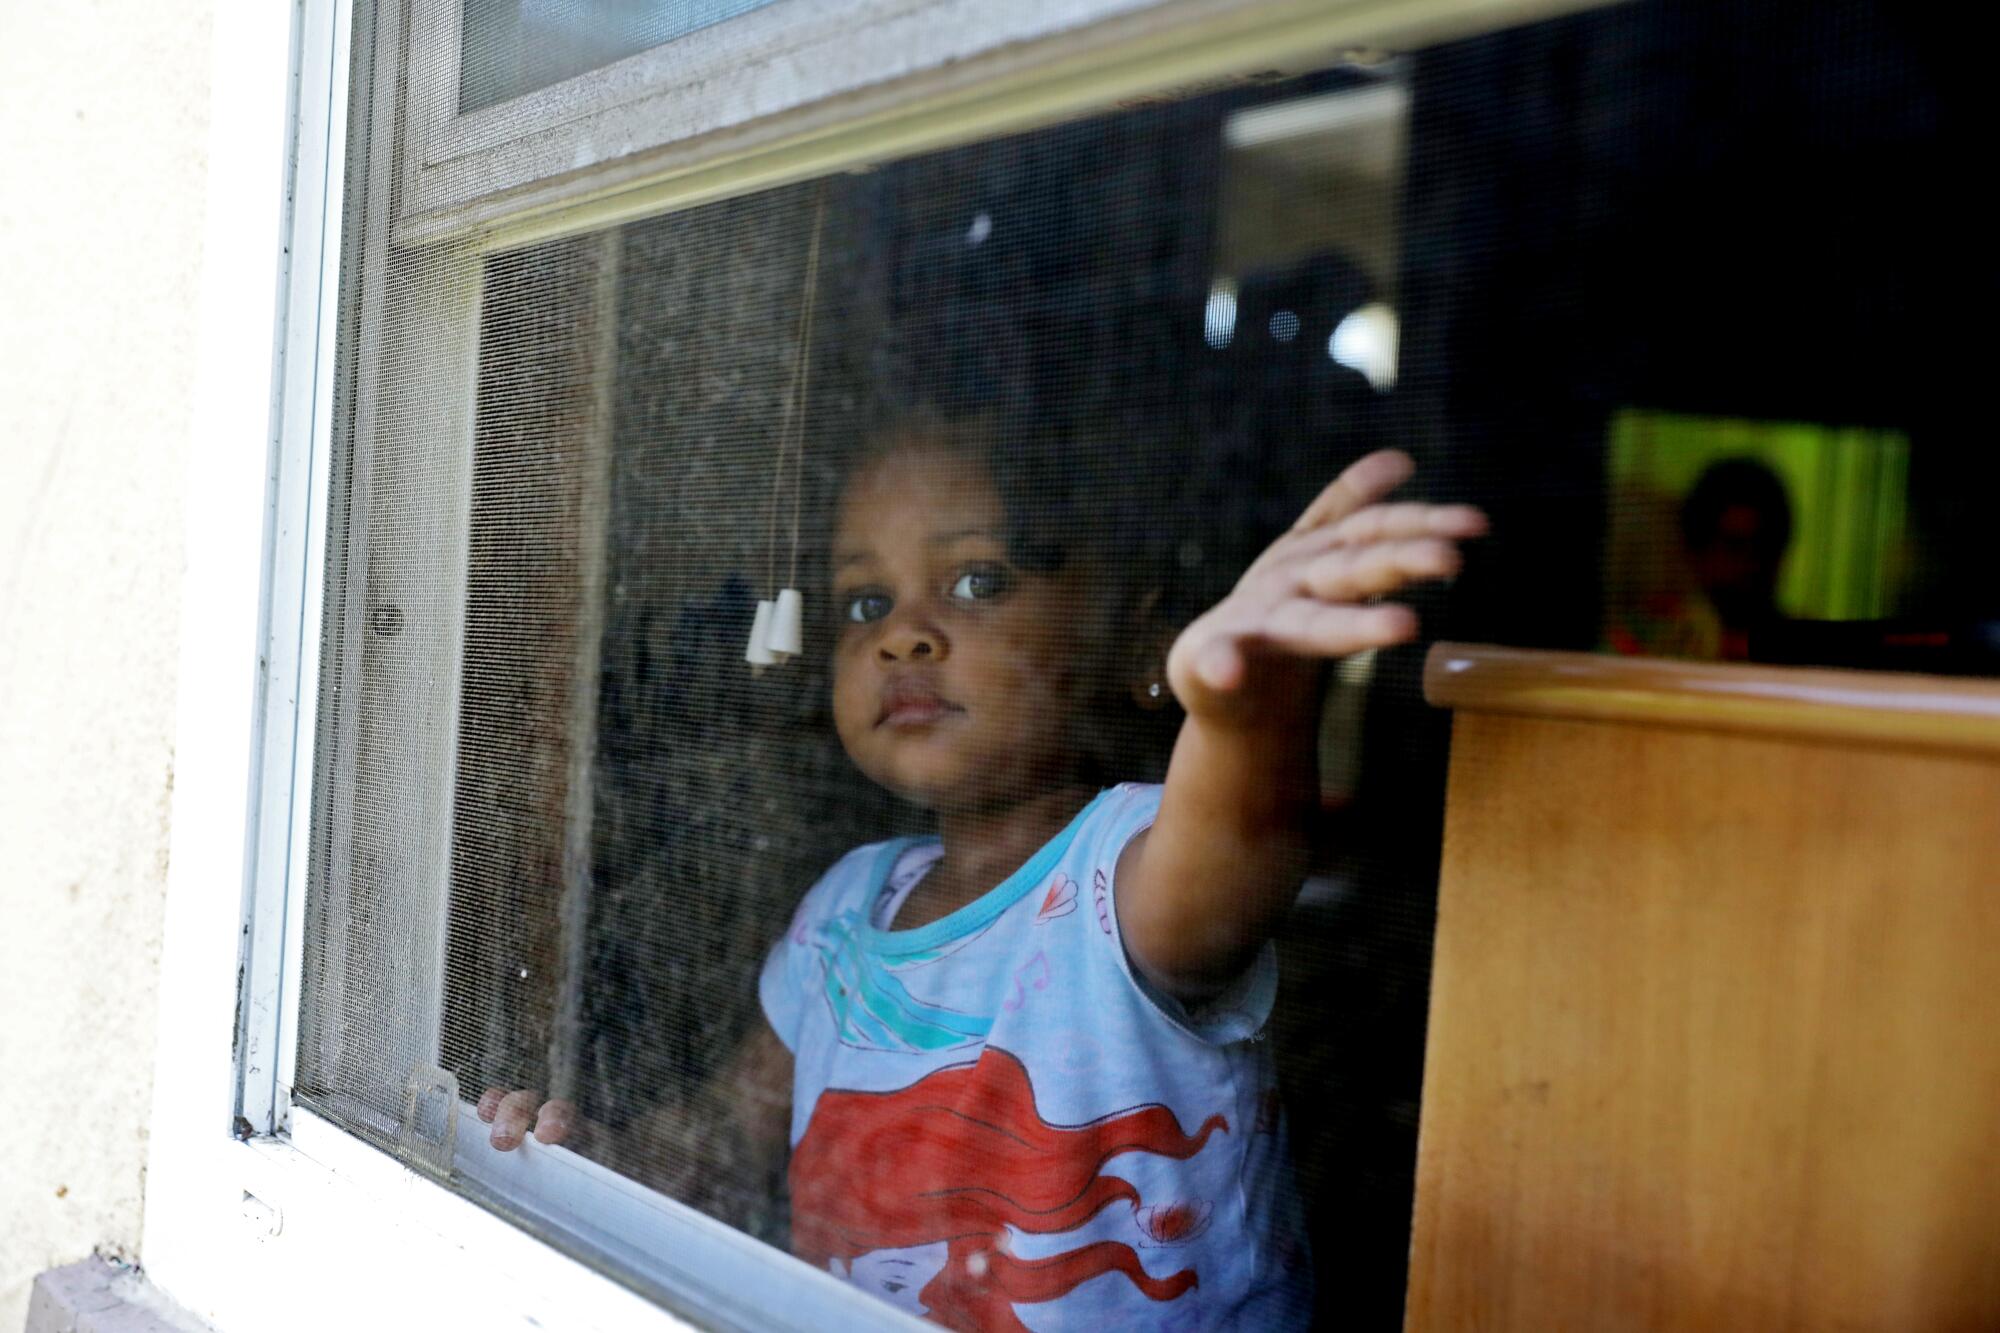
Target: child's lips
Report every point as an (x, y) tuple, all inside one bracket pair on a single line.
[(908, 702)]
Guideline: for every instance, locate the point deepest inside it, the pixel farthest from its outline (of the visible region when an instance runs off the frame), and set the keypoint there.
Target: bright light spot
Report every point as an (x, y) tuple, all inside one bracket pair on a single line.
[(1366, 341), (1218, 321), (981, 228), (1284, 326)]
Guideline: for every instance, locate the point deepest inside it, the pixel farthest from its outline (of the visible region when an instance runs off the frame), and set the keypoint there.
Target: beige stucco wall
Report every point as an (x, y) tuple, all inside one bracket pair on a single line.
[(101, 192)]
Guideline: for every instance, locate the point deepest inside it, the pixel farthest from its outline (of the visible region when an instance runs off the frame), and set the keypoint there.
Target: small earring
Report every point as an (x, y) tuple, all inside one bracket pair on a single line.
[(1153, 690)]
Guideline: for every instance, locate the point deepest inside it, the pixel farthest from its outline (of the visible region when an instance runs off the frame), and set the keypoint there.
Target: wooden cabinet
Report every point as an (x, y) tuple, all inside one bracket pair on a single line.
[(1713, 1038)]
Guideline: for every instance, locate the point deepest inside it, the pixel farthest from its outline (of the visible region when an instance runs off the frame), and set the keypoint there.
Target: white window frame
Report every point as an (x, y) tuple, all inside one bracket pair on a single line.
[(291, 1218)]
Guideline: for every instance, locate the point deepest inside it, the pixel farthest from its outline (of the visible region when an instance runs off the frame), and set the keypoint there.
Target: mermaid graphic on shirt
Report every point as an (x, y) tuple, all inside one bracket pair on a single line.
[(916, 1193)]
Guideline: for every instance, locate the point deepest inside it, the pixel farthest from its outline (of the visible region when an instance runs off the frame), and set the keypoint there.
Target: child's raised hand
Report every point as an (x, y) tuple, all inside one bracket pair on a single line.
[(1310, 595)]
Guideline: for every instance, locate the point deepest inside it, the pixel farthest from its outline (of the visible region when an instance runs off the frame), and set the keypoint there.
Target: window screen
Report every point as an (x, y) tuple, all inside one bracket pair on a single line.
[(829, 949)]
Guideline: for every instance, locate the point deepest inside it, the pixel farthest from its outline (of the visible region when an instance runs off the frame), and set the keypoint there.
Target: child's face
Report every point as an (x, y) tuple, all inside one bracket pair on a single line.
[(957, 674)]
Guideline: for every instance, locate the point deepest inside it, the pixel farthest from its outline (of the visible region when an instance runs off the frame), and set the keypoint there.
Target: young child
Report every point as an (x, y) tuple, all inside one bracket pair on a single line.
[(1020, 1059)]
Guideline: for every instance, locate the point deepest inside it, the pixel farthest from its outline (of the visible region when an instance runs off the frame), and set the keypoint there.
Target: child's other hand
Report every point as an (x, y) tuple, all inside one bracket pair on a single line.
[(514, 1114), (1309, 596)]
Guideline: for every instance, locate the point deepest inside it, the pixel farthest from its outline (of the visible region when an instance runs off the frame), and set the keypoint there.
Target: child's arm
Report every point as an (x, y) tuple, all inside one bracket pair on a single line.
[(1202, 890)]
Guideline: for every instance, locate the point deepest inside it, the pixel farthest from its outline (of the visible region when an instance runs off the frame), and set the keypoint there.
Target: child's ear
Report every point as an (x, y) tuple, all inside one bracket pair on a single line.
[(1151, 638)]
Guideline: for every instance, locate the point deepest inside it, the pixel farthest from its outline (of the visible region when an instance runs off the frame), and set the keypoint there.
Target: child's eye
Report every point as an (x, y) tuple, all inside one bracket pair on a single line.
[(980, 583), (864, 608)]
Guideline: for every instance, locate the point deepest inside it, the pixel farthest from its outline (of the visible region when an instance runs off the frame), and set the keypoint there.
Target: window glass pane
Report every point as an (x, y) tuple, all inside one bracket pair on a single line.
[(512, 47), (859, 950)]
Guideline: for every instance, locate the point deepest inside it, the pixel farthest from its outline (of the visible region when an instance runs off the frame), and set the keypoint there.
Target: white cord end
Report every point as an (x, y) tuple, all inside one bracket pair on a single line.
[(787, 636), (758, 653)]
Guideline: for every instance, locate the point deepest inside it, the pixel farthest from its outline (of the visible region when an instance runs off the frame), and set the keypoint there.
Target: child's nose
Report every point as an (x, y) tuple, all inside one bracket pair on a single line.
[(913, 638)]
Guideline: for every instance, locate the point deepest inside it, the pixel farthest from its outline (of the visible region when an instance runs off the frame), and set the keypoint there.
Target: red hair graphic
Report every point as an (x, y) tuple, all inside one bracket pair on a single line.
[(959, 1156)]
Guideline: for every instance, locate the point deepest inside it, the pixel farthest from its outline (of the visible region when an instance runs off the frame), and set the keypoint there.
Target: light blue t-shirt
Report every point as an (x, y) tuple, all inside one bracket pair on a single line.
[(998, 1124)]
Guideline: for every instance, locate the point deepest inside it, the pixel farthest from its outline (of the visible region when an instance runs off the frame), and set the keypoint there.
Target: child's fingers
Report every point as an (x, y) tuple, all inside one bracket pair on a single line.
[(1376, 523), (1312, 628), (1362, 483), (512, 1118), (1301, 626), (1350, 573), (1399, 522), (489, 1103), (555, 1121)]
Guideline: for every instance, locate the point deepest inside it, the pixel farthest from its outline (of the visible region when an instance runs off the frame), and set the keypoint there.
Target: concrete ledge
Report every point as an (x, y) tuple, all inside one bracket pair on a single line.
[(97, 1296)]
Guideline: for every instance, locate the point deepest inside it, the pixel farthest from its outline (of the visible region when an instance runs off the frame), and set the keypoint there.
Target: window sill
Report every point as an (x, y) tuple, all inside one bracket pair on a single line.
[(715, 1276), (98, 1296)]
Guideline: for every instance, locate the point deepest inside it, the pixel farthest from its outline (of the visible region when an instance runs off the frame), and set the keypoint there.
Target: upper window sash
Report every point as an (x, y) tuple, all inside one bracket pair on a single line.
[(796, 87)]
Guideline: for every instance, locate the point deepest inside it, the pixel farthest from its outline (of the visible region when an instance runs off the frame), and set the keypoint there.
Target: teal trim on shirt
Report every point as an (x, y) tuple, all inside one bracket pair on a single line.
[(975, 916)]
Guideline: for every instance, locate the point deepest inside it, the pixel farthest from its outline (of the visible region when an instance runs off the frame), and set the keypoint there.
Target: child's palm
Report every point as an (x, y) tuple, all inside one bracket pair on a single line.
[(1309, 596)]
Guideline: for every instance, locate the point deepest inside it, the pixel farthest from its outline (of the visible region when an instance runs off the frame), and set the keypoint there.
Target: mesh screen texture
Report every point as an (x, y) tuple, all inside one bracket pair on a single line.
[(1657, 287)]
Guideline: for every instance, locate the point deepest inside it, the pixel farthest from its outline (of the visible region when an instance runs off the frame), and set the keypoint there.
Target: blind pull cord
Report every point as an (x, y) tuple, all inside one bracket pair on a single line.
[(777, 633)]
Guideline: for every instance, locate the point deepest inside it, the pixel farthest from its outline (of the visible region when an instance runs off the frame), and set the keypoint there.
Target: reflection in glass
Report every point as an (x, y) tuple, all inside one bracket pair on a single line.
[(509, 48), (1776, 523)]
